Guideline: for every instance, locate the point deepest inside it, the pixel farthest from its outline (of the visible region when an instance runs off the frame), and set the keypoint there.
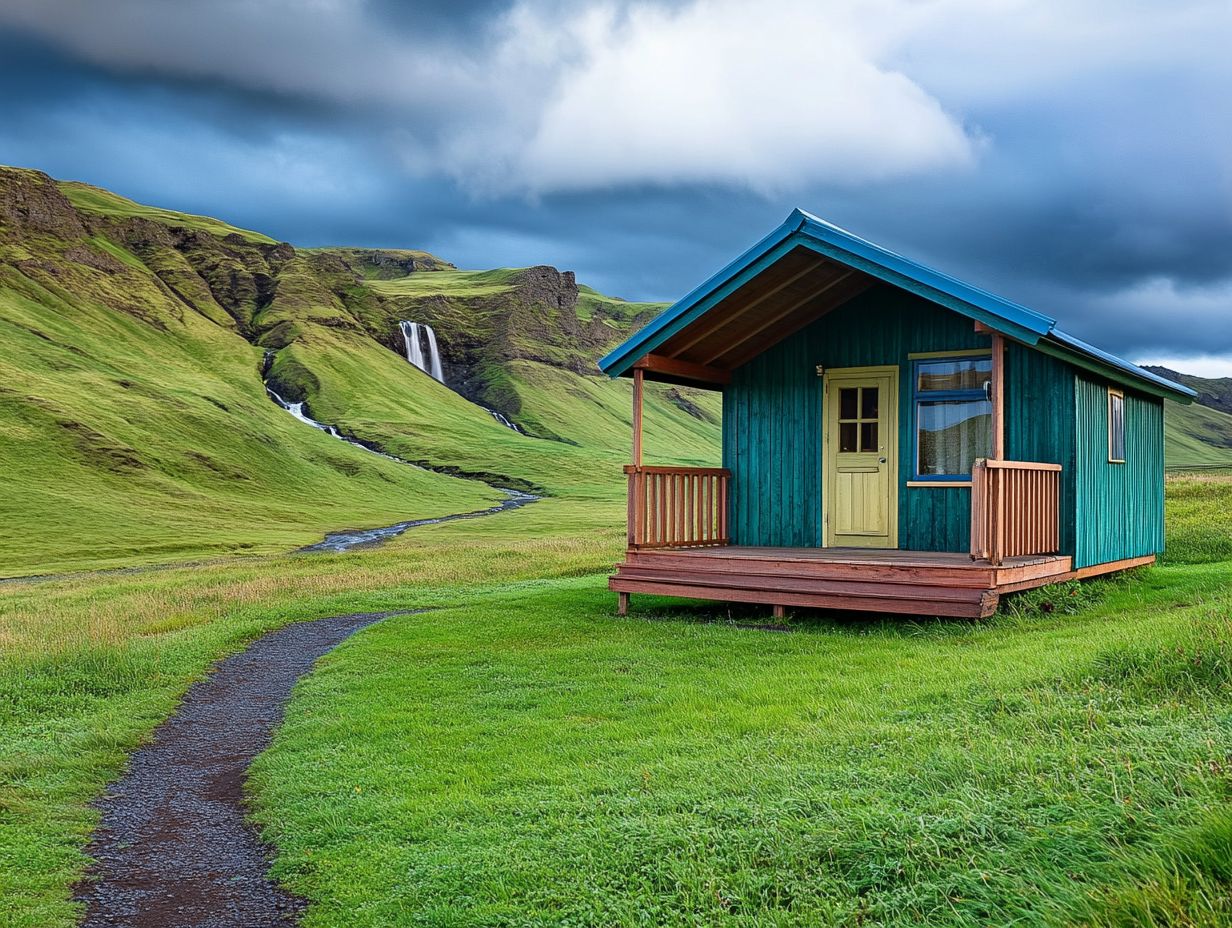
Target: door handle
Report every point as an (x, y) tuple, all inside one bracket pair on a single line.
[(881, 460)]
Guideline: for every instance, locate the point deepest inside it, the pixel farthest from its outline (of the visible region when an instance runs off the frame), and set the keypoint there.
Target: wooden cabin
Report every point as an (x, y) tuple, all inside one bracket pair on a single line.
[(894, 440)]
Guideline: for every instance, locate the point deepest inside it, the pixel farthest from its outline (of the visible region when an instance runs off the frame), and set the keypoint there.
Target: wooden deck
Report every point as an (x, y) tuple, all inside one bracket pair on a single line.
[(879, 580)]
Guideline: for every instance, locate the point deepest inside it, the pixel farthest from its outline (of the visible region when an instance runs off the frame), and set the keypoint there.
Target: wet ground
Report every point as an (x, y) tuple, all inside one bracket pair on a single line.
[(174, 848)]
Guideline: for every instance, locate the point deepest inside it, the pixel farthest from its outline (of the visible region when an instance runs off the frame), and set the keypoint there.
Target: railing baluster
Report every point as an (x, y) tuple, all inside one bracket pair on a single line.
[(677, 506), (1015, 509)]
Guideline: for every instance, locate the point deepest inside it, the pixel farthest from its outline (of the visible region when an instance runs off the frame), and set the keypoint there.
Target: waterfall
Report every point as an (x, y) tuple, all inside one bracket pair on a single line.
[(297, 410), (434, 356), (418, 335), (414, 348), (504, 421)]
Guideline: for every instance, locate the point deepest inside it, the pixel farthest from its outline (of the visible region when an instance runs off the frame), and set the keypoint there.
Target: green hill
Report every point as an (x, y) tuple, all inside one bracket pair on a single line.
[(1199, 436), (135, 423)]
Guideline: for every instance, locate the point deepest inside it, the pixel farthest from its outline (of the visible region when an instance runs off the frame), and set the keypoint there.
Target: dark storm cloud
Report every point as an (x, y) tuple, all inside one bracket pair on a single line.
[(1073, 159)]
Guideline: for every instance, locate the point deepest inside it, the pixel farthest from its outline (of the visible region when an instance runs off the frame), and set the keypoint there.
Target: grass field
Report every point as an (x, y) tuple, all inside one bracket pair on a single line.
[(1196, 437), (1067, 766)]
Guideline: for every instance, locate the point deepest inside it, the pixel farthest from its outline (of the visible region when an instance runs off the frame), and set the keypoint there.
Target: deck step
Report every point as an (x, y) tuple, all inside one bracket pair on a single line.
[(963, 603), (973, 576), (779, 583)]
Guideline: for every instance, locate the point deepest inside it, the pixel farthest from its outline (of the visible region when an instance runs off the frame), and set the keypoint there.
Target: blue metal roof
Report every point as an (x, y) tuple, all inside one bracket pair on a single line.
[(803, 229)]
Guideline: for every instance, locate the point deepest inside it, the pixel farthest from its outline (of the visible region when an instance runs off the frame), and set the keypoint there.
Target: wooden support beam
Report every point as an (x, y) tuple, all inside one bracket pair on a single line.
[(787, 326), (622, 603), (637, 416), (685, 370), (774, 318), (706, 331)]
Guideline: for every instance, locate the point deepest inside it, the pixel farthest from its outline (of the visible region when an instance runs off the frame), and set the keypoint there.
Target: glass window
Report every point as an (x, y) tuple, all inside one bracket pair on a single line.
[(953, 415), (857, 419), (848, 402), (847, 436), (1116, 426)]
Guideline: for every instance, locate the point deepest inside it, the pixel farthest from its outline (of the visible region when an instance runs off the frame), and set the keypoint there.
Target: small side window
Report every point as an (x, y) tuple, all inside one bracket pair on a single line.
[(1116, 427)]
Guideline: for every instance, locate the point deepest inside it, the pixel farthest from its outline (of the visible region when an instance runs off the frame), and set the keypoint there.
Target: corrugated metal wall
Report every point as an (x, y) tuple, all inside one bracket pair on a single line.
[(1120, 506), (773, 422)]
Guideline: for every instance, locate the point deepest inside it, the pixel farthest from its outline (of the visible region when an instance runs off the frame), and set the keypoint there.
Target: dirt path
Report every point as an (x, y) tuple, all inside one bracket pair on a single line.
[(174, 848)]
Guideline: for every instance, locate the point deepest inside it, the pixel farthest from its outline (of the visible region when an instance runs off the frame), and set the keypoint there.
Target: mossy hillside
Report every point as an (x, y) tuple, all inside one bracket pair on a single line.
[(376, 396), (136, 427), (142, 432), (91, 199)]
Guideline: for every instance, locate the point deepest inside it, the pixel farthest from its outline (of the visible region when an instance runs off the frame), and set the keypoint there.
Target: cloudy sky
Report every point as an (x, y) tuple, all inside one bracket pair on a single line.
[(1075, 156)]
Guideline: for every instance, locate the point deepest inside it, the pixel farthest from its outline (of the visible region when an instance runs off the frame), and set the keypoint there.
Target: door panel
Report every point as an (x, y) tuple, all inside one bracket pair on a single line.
[(861, 457)]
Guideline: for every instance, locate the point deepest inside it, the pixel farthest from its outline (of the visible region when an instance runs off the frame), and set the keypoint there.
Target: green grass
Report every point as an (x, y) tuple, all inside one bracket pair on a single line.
[(91, 199), (1196, 437), (691, 771), (449, 283), (1046, 767)]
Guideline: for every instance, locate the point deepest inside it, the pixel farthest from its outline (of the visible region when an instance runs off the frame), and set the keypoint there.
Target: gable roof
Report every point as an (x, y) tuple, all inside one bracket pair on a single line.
[(820, 258)]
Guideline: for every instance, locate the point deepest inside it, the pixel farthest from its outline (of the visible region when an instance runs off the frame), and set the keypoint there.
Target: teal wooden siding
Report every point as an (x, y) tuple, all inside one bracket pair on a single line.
[(1040, 421), (1120, 506), (773, 422)]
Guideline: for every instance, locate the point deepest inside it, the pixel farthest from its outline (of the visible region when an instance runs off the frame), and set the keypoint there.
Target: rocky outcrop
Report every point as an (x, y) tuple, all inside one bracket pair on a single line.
[(30, 202)]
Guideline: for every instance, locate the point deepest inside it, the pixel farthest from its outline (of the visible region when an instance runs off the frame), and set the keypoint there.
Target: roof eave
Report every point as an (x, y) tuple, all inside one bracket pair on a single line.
[(1084, 355), (621, 359)]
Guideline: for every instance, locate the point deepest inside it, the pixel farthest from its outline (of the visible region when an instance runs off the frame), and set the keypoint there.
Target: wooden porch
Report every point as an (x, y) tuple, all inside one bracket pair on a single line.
[(679, 545), (861, 579)]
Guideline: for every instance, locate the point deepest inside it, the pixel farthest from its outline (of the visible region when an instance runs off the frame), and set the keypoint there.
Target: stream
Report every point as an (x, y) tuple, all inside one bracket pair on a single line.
[(372, 537)]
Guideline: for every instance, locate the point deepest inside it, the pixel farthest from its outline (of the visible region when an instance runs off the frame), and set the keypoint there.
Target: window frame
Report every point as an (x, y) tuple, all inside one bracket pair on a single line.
[(1119, 394), (940, 396)]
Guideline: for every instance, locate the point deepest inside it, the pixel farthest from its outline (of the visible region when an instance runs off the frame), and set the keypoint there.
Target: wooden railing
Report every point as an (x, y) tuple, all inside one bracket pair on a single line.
[(677, 507), (1015, 509)]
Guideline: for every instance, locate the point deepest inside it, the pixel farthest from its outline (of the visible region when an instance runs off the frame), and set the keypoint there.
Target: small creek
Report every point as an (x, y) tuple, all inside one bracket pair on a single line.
[(372, 537)]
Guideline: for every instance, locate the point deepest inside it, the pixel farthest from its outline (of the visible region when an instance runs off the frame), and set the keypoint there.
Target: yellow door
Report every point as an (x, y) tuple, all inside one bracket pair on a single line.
[(861, 457)]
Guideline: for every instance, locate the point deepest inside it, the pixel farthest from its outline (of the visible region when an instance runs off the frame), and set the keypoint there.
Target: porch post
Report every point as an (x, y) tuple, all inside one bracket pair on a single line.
[(998, 396), (637, 417)]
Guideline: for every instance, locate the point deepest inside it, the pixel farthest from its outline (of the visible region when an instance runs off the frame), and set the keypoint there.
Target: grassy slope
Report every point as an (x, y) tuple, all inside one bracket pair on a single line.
[(438, 768), (368, 390), (141, 432), (1196, 437), (91, 199), (134, 429)]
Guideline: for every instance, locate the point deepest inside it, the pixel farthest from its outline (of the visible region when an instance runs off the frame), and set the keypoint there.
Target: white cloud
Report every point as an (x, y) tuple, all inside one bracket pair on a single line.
[(768, 96), (547, 97)]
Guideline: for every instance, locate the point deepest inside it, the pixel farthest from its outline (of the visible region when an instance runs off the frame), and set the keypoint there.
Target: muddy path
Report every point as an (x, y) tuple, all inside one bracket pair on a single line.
[(174, 848)]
